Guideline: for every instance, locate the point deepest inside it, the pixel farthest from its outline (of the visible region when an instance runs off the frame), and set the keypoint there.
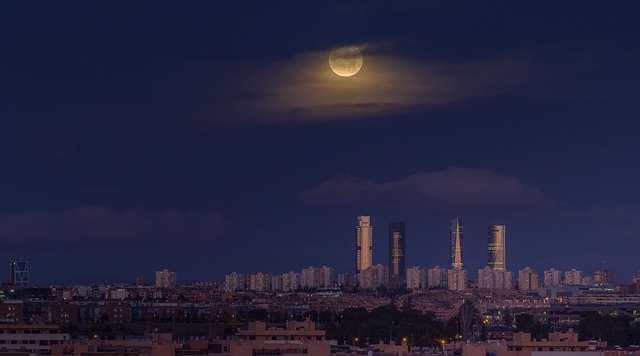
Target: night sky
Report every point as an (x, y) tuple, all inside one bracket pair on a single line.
[(212, 137)]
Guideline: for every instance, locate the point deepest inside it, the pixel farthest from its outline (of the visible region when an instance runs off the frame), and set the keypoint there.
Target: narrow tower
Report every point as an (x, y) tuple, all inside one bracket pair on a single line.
[(364, 243), (455, 243), (496, 247), (397, 270)]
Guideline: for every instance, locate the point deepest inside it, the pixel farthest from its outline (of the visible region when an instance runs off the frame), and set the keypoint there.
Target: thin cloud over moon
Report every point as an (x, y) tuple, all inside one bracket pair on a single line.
[(450, 189), (304, 88), (90, 224)]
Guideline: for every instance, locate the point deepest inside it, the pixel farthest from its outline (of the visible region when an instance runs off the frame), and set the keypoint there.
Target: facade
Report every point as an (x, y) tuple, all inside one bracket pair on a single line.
[(312, 277), (234, 282), (397, 270), (19, 273), (457, 279), (374, 277), (573, 277), (364, 243), (496, 247), (33, 339), (437, 277), (166, 279), (290, 281), (346, 280), (528, 280), (522, 344), (455, 244), (296, 338), (490, 278), (552, 277), (416, 278), (603, 277), (259, 282)]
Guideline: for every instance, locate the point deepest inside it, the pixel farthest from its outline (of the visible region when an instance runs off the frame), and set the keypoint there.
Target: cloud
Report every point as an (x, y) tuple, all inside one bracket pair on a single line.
[(105, 224), (450, 189), (303, 88)]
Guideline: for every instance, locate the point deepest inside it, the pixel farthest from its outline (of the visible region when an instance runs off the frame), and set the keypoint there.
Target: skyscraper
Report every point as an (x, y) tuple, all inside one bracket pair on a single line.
[(455, 243), (19, 273), (496, 247), (397, 271), (364, 243)]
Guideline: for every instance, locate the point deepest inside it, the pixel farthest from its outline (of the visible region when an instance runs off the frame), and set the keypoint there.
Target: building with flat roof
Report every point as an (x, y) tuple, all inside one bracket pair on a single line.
[(364, 243), (397, 255)]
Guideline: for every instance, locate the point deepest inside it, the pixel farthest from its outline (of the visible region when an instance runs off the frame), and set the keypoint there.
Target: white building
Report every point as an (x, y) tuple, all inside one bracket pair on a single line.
[(490, 278), (374, 277), (259, 282), (438, 277), (234, 282), (290, 281), (573, 277), (166, 279), (528, 279), (312, 277), (416, 278), (552, 277), (457, 279)]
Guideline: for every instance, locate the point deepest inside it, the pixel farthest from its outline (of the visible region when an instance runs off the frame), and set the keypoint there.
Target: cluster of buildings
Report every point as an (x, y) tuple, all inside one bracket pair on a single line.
[(367, 276)]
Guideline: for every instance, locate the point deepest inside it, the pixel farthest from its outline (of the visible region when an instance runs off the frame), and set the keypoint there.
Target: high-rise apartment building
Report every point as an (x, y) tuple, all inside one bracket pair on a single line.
[(290, 281), (552, 277), (312, 277), (397, 271), (374, 277), (234, 282), (491, 278), (573, 277), (166, 279), (437, 277), (19, 273), (528, 279), (455, 243), (346, 280), (603, 277), (364, 243), (457, 279), (259, 282), (496, 247), (416, 278)]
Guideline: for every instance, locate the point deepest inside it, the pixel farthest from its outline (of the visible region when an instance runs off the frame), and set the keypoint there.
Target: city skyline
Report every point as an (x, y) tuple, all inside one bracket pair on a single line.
[(212, 136)]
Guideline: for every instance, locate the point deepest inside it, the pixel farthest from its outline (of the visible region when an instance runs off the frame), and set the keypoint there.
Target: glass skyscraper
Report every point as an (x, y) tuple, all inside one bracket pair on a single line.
[(397, 270), (455, 243), (364, 243), (496, 247)]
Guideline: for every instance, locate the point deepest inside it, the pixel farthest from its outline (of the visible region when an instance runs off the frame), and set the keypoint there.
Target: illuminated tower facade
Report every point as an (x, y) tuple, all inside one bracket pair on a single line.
[(364, 243), (496, 247), (19, 273), (455, 243), (397, 270)]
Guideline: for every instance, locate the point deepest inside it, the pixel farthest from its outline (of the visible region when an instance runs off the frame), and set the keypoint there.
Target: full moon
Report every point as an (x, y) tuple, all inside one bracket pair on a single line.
[(346, 61)]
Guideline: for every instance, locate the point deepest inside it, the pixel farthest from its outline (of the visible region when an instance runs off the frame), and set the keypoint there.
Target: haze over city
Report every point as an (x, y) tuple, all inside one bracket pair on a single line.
[(213, 137)]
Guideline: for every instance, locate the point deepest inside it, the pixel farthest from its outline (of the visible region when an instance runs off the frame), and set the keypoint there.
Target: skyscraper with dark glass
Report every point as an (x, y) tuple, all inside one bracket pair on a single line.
[(455, 243), (19, 273), (397, 270), (364, 243), (496, 247)]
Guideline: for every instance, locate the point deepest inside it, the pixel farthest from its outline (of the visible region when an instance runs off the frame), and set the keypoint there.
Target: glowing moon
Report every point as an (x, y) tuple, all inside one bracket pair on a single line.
[(346, 61)]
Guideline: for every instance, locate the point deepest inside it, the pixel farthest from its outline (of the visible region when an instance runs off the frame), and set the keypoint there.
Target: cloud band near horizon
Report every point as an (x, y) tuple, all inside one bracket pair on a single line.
[(449, 189), (101, 224)]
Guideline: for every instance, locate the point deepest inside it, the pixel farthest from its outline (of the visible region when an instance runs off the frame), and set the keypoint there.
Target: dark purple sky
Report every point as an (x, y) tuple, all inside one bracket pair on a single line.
[(211, 137)]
